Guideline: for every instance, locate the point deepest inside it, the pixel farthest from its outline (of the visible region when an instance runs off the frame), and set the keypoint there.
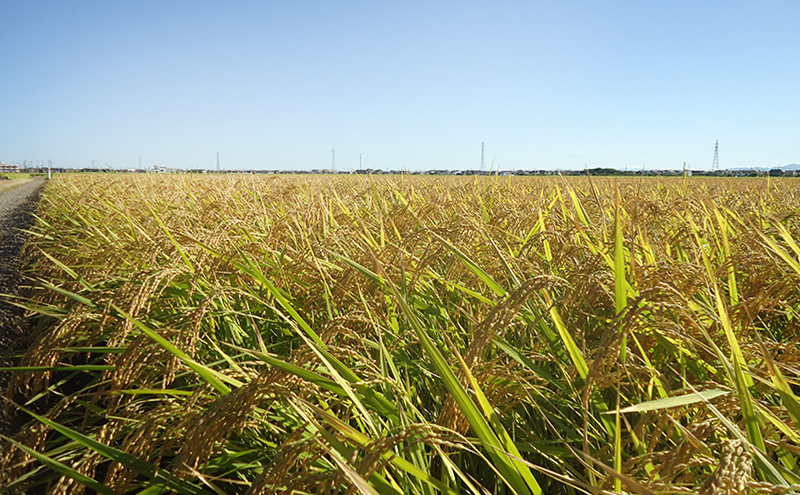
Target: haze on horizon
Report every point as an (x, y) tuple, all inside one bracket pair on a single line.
[(411, 85)]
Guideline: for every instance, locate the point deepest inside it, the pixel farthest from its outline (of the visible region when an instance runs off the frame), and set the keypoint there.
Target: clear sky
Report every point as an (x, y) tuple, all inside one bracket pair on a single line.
[(414, 85)]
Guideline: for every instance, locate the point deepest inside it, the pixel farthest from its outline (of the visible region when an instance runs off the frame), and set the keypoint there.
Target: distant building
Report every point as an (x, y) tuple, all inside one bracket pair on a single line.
[(158, 169), (8, 168)]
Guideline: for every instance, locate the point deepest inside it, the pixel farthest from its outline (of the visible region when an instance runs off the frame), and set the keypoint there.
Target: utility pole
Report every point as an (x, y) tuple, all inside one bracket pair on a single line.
[(217, 161), (333, 159), (483, 163)]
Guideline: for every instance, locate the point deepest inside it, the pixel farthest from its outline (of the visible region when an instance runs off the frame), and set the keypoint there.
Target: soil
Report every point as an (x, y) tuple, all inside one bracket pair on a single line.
[(16, 206)]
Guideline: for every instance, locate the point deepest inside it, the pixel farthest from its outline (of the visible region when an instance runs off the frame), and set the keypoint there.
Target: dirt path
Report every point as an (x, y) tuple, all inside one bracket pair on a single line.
[(17, 199), (15, 205)]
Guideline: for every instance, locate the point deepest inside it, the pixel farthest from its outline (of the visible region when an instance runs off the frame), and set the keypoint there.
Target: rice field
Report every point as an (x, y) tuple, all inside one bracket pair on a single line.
[(409, 335)]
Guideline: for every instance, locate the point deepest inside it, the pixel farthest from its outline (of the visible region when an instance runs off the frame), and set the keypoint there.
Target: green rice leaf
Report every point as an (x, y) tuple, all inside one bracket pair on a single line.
[(77, 367), (61, 468), (142, 467), (370, 396), (473, 414), (209, 375), (488, 280), (681, 400), (363, 440), (499, 429)]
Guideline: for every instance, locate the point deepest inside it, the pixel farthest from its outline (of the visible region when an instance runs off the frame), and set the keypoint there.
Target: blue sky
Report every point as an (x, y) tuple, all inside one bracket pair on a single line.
[(414, 85)]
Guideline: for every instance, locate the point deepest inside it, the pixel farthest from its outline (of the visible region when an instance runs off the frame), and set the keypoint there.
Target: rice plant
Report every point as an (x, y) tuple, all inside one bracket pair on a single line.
[(420, 335)]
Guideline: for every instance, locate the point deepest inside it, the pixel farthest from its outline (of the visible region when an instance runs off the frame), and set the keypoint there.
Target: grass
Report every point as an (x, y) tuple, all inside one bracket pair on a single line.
[(16, 181), (242, 334), (18, 175)]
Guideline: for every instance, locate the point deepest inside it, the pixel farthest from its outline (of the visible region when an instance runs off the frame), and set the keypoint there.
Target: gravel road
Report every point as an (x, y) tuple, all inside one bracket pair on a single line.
[(15, 206)]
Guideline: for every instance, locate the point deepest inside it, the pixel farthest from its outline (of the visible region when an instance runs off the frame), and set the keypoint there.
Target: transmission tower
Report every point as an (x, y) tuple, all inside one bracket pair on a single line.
[(333, 159), (715, 165), (483, 163)]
